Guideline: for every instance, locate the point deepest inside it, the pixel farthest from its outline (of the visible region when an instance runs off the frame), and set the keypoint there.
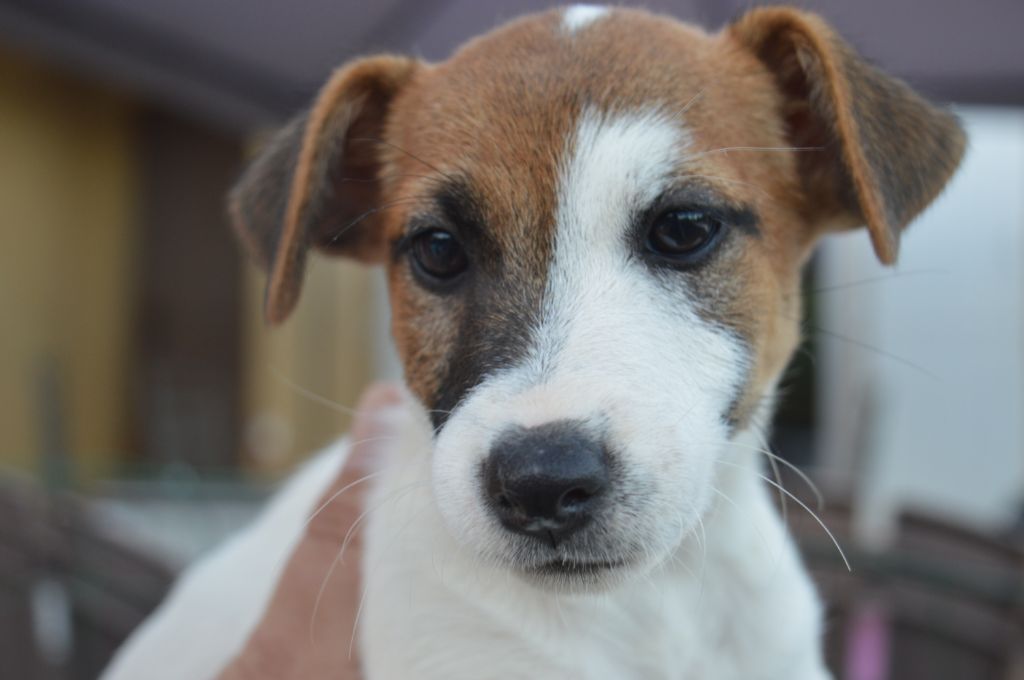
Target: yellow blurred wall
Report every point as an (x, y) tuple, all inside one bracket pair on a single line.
[(69, 244), (302, 378), (67, 186)]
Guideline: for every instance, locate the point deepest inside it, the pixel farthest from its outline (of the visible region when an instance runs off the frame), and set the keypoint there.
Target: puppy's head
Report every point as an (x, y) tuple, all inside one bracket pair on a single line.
[(593, 222)]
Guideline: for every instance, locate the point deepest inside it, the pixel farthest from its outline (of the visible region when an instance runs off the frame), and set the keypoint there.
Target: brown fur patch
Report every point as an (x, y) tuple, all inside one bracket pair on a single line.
[(500, 113), (496, 119)]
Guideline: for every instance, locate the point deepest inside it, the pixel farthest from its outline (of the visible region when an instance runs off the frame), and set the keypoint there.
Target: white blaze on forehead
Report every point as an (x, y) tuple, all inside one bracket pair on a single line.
[(614, 168), (609, 320), (577, 17), (617, 165)]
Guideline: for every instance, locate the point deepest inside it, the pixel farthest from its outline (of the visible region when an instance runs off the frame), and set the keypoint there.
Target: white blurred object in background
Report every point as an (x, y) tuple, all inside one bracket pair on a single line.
[(922, 400)]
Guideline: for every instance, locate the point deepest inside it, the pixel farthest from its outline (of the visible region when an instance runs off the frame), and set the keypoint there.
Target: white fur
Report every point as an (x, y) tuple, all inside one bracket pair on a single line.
[(209, 614), (736, 605), (617, 348), (577, 17), (715, 589)]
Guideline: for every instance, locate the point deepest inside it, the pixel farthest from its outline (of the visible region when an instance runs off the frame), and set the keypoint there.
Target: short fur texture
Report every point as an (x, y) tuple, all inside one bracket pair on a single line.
[(548, 148)]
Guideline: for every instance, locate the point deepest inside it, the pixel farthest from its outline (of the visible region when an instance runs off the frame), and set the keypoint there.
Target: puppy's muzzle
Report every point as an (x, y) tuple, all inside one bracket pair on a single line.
[(548, 481)]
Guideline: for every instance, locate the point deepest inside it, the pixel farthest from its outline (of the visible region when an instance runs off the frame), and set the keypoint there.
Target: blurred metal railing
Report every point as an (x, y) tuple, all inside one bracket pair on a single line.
[(68, 594), (941, 603)]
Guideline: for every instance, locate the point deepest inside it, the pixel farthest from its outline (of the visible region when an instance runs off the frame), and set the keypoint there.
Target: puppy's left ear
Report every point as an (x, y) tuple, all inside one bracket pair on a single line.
[(316, 183), (880, 153)]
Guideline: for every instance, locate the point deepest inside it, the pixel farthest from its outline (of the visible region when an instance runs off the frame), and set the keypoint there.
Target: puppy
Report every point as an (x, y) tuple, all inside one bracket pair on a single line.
[(593, 222)]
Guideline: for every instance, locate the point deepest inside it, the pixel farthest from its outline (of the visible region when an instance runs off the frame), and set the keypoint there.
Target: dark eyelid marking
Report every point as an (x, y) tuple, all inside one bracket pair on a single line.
[(418, 224), (734, 218), (455, 208), (741, 217), (703, 198), (460, 206)]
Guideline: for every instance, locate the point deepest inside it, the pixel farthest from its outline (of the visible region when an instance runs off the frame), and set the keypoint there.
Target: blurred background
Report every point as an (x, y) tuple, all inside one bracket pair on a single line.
[(145, 410)]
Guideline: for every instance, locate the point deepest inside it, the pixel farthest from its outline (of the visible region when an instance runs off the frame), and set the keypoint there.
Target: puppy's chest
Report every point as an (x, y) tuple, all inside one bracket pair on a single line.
[(663, 627), (461, 618), (659, 631), (433, 610)]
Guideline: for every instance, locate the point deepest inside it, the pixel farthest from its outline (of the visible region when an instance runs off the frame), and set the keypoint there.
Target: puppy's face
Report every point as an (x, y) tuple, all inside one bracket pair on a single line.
[(579, 258), (593, 223)]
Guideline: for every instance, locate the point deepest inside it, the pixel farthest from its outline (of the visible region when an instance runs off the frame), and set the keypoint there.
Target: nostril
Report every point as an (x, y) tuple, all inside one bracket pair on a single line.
[(574, 499), (503, 502)]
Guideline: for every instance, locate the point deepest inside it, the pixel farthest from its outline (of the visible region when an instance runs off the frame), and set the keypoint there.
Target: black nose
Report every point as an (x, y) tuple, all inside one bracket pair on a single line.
[(546, 481)]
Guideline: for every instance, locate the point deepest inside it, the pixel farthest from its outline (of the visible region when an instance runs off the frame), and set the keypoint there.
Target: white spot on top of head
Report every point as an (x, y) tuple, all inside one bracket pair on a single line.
[(578, 17)]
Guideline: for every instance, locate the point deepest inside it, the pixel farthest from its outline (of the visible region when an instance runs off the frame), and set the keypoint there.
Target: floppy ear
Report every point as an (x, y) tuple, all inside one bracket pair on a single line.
[(316, 182), (882, 152)]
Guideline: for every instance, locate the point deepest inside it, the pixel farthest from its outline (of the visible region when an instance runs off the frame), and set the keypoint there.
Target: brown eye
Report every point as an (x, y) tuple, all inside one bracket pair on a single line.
[(682, 234), (438, 254)]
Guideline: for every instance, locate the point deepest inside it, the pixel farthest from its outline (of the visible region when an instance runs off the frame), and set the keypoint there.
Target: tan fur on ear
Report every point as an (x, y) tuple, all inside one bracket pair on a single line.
[(317, 180), (885, 154)]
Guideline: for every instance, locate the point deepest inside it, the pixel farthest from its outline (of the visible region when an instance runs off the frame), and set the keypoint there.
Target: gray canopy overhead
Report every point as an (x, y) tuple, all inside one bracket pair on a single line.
[(250, 62)]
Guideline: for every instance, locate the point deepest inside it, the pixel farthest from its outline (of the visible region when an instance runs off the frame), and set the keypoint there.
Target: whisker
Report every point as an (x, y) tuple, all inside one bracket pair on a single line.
[(726, 149), (334, 496), (348, 410), (377, 178), (339, 558), (373, 211), (408, 153), (782, 497), (350, 534), (704, 557), (872, 348), (819, 498), (561, 614), (390, 545), (316, 602), (877, 279), (866, 346), (355, 623), (817, 519), (310, 394), (693, 100)]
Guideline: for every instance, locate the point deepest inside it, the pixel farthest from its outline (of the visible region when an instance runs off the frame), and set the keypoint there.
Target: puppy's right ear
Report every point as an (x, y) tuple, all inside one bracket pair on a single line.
[(316, 183)]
